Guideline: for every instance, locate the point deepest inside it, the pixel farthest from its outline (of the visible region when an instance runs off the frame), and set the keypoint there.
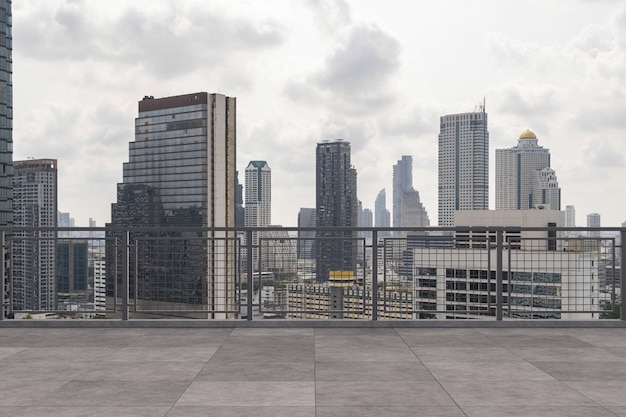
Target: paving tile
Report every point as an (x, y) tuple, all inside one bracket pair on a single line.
[(6, 352), (131, 354), (143, 371), (273, 332), (63, 354), (257, 371), (364, 354), (465, 354), (249, 393), (381, 394), (389, 412), (16, 392), (505, 393), (537, 412), (355, 331), (538, 340), (584, 371), (604, 393), (88, 412), (371, 371), (42, 370), (486, 371), (352, 342), (242, 412), (565, 354), (119, 393), (618, 411), (435, 340), (268, 342)]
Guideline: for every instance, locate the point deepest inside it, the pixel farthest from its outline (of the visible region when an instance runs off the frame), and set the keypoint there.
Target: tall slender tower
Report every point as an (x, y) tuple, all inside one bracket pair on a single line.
[(381, 214), (570, 216), (34, 257), (181, 173), (336, 206), (402, 181), (463, 164), (524, 178), (258, 201)]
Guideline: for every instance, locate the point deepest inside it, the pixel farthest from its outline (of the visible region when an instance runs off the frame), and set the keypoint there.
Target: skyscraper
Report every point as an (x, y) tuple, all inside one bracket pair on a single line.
[(6, 113), (402, 181), (307, 249), (524, 178), (382, 217), (258, 201), (336, 206), (593, 220), (181, 173), (570, 216), (463, 164), (34, 257)]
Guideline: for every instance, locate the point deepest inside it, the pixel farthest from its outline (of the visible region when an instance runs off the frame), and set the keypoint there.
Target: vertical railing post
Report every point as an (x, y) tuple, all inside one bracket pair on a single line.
[(125, 273), (250, 283), (499, 248), (622, 272), (375, 275)]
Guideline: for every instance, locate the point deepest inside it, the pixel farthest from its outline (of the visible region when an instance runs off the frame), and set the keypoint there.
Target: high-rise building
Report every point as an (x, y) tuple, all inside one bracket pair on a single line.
[(240, 212), (412, 211), (382, 217), (524, 178), (258, 210), (463, 164), (593, 220), (34, 256), (6, 113), (402, 181), (181, 173), (336, 206), (306, 238), (570, 216)]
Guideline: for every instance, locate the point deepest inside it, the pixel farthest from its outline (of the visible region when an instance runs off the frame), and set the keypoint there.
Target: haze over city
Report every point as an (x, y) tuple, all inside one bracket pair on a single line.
[(378, 75)]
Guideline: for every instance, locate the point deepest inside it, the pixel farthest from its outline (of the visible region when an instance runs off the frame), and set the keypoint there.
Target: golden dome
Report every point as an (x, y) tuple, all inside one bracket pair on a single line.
[(527, 134)]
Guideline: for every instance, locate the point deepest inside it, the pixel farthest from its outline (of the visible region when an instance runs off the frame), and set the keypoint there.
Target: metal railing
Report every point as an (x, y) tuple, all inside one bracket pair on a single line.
[(480, 273)]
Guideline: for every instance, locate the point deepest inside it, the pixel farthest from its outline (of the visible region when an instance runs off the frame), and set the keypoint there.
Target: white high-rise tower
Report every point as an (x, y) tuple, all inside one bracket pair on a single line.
[(258, 201)]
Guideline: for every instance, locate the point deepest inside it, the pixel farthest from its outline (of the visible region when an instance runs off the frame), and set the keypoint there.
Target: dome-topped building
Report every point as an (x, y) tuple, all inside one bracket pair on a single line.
[(520, 184)]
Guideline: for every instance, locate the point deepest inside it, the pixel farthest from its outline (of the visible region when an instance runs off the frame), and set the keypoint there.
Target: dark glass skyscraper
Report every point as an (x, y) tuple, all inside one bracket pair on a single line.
[(6, 114), (337, 206), (181, 173)]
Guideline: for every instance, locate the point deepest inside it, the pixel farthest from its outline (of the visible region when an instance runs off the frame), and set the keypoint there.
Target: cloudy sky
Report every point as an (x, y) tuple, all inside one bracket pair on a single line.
[(376, 73)]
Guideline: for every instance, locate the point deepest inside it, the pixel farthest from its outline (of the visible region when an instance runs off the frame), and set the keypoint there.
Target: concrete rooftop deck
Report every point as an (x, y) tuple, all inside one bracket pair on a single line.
[(306, 372)]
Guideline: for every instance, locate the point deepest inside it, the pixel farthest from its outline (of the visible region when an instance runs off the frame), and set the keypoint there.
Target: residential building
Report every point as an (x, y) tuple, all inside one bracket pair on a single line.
[(463, 164), (336, 206), (35, 190), (181, 173), (6, 113), (524, 178)]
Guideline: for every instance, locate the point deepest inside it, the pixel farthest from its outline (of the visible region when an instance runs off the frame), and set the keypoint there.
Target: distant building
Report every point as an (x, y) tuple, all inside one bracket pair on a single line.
[(258, 201), (593, 220), (382, 217), (463, 164), (240, 212), (402, 181), (307, 248), (181, 173), (6, 114), (570, 216), (524, 178), (73, 277), (336, 206), (35, 191)]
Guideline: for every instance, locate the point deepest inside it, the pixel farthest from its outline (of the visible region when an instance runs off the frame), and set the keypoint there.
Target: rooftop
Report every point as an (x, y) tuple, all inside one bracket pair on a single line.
[(141, 369)]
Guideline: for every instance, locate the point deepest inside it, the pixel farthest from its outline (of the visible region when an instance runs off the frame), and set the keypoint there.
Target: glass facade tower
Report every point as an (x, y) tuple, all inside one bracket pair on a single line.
[(6, 114)]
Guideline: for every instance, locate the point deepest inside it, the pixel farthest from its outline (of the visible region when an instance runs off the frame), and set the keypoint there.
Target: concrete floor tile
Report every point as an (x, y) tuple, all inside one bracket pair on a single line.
[(352, 342), (371, 371), (538, 340), (381, 394), (486, 371), (618, 411), (89, 412), (143, 371), (537, 412), (364, 354), (248, 393), (565, 354), (273, 332), (389, 412), (604, 393), (182, 353), (15, 392), (584, 371), (242, 412), (63, 354), (519, 394), (475, 340), (465, 354), (257, 371), (354, 331), (117, 393), (6, 352)]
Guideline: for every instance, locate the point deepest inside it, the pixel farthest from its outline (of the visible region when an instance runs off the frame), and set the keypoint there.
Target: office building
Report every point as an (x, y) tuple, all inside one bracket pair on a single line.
[(34, 257), (73, 277), (593, 220), (524, 178), (402, 181), (258, 210), (181, 173), (307, 248), (463, 164), (570, 216), (336, 206), (240, 212), (6, 133), (382, 217)]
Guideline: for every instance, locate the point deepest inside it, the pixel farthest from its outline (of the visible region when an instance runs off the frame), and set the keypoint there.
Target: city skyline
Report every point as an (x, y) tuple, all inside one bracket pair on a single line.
[(297, 71)]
